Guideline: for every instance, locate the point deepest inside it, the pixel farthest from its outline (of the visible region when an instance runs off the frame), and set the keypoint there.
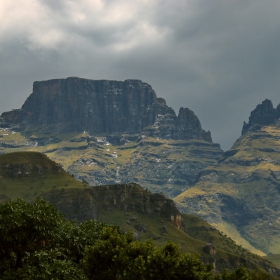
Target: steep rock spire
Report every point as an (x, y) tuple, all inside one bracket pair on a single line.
[(263, 114)]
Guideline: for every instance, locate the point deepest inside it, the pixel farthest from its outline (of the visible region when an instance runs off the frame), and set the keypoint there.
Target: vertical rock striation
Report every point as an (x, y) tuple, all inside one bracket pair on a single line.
[(103, 107)]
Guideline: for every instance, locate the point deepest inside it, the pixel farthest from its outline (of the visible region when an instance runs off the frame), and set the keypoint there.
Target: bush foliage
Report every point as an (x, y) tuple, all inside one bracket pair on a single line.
[(37, 242)]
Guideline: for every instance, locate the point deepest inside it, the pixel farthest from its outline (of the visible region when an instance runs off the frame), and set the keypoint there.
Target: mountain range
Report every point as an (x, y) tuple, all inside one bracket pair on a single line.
[(110, 132)]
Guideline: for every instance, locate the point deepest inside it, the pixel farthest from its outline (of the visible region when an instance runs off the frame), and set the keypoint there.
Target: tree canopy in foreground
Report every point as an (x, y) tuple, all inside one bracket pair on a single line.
[(37, 242)]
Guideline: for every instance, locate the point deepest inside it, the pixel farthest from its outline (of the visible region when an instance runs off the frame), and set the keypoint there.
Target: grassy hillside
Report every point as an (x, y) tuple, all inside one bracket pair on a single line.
[(200, 229), (29, 174), (192, 238), (274, 258), (128, 221)]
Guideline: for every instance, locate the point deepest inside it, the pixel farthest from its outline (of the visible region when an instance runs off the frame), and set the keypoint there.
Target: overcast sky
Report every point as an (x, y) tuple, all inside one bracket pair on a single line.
[(219, 58)]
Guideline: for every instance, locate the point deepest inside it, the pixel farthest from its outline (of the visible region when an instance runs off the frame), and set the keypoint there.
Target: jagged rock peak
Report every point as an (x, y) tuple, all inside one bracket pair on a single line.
[(263, 114), (188, 125), (103, 107)]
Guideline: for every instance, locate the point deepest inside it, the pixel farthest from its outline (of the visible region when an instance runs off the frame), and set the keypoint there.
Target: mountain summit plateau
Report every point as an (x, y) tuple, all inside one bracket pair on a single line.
[(103, 107)]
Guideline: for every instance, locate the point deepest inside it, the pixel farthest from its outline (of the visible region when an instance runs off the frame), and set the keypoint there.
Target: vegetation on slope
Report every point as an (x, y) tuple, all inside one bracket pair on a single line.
[(29, 174), (156, 217), (38, 243), (200, 229), (274, 258), (128, 206)]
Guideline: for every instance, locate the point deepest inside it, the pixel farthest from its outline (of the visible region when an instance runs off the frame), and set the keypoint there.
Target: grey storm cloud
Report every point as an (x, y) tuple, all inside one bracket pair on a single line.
[(218, 58)]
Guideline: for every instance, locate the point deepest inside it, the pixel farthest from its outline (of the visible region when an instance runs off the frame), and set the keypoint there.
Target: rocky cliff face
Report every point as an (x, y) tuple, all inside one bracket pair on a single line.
[(264, 114), (161, 165), (88, 203), (103, 107)]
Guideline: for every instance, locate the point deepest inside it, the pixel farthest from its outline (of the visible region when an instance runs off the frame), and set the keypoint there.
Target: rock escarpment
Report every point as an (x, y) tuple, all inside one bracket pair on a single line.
[(161, 165), (103, 107), (88, 203)]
